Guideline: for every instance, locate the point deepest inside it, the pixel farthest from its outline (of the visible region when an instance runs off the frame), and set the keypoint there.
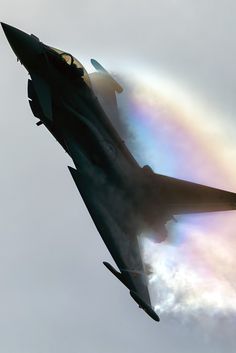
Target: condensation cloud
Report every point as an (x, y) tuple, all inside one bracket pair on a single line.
[(178, 134)]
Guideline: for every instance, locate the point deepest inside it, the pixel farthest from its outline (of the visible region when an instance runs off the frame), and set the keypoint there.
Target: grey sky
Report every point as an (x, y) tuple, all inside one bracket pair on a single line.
[(55, 294)]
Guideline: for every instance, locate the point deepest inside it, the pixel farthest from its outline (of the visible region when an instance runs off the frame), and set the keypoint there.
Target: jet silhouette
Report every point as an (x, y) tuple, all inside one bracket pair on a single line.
[(124, 199)]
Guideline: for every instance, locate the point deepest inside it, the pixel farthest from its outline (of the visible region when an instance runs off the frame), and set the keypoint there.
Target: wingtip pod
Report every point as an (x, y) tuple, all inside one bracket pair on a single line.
[(141, 303), (145, 306), (100, 68)]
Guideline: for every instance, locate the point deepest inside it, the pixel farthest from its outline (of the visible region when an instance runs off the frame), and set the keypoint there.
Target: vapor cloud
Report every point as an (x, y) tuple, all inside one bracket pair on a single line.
[(194, 271)]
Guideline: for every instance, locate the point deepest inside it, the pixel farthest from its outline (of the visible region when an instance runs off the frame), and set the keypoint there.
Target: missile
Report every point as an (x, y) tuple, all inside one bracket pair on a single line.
[(115, 273)]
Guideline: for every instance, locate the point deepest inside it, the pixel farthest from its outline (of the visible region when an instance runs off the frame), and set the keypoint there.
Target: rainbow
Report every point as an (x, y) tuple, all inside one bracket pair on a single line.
[(179, 135)]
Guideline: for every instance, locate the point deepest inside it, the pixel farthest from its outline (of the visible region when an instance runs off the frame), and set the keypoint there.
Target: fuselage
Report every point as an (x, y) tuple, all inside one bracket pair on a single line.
[(62, 97), (78, 116)]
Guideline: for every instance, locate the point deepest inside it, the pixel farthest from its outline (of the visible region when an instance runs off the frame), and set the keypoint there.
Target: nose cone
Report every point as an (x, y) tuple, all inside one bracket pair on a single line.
[(26, 47)]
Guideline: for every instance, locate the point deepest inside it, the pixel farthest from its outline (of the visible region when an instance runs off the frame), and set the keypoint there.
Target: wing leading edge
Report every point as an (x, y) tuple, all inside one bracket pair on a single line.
[(123, 247), (180, 196)]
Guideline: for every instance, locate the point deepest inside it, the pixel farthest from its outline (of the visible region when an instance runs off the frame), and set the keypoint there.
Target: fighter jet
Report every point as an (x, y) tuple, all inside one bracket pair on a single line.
[(123, 198)]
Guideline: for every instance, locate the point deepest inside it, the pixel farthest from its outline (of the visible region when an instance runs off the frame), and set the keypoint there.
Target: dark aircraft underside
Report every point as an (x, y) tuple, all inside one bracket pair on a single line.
[(123, 199)]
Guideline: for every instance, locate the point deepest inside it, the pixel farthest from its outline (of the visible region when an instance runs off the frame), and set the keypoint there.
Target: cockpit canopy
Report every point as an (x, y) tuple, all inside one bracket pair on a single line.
[(65, 58)]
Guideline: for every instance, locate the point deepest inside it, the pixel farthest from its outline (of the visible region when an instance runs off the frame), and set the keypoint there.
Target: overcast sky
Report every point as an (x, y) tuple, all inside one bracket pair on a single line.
[(55, 294)]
